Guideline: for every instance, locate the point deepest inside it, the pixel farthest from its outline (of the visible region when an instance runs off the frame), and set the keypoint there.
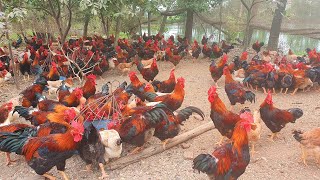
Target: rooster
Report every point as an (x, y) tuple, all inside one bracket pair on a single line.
[(230, 160), (174, 59), (165, 130), (74, 99), (276, 119), (226, 48), (89, 88), (195, 50), (30, 94), (216, 70), (148, 73), (173, 100), (25, 66), (53, 74), (235, 91), (257, 46), (204, 40), (45, 146), (223, 119), (166, 86)]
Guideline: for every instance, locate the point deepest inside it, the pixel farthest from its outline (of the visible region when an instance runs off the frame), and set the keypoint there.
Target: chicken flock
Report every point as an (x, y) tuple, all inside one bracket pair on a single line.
[(94, 124)]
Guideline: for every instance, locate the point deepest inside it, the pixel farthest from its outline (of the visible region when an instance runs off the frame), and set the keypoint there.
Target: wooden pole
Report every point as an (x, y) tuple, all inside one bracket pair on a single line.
[(156, 149)]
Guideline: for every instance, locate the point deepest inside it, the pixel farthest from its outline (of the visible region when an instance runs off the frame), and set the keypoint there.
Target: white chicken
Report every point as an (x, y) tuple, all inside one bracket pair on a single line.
[(112, 142)]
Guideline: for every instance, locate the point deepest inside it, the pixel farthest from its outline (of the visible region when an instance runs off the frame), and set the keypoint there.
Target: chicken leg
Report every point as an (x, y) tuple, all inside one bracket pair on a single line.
[(304, 156), (9, 161), (274, 90), (136, 150), (264, 90), (103, 171), (164, 143), (88, 168), (64, 175), (273, 135), (252, 149), (294, 92)]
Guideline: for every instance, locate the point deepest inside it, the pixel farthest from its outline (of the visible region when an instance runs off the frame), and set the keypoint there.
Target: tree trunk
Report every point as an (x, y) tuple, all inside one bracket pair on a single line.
[(220, 19), (276, 26), (149, 23), (86, 24), (189, 24), (118, 26), (103, 23), (163, 24)]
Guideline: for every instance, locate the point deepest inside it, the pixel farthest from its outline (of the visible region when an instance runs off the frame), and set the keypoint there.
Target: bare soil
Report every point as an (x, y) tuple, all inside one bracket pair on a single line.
[(273, 160)]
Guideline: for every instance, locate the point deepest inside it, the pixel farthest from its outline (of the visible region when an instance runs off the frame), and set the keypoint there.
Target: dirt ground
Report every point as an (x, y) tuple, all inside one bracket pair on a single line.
[(273, 160)]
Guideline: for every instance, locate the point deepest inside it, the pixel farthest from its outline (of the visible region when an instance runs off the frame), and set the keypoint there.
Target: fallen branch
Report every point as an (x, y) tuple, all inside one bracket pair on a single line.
[(156, 149)]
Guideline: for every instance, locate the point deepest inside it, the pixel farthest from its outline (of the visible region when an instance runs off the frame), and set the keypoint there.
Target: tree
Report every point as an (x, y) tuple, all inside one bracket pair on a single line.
[(276, 25), (56, 9), (251, 13)]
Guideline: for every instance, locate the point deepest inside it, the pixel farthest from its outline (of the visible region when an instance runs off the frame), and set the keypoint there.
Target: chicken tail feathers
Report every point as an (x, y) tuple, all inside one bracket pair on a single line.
[(250, 96), (205, 163), (150, 96), (185, 113), (297, 135), (14, 141), (22, 111), (155, 85)]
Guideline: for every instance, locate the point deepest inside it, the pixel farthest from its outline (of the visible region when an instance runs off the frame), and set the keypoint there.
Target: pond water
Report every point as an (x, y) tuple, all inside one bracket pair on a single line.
[(297, 43)]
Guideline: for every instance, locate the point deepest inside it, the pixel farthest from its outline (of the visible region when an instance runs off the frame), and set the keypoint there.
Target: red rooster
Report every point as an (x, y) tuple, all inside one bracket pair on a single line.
[(257, 46), (276, 119), (166, 86), (216, 70), (148, 73), (230, 160), (89, 88), (174, 59)]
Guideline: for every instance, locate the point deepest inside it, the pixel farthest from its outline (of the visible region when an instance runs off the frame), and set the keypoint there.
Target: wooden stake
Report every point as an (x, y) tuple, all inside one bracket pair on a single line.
[(156, 149)]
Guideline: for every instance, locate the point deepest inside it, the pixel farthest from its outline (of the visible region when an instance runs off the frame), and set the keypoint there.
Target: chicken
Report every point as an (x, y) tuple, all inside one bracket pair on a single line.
[(174, 59), (166, 130), (216, 70), (25, 65), (195, 50), (276, 119), (123, 67), (285, 79), (309, 143), (112, 142), (254, 134), (206, 51), (173, 100), (148, 73), (301, 81), (204, 40), (147, 63), (7, 116), (228, 161), (63, 91), (4, 76), (42, 153), (139, 128), (29, 95), (217, 52), (257, 46), (89, 88), (223, 119), (166, 86), (235, 91), (91, 150), (74, 99), (53, 74), (225, 47), (136, 87), (291, 57)]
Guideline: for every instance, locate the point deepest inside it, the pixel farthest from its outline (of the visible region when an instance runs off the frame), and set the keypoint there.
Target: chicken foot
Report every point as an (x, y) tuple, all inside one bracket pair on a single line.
[(221, 141), (136, 150), (48, 176), (64, 175), (273, 135), (88, 168), (264, 90), (164, 143), (252, 149), (103, 171)]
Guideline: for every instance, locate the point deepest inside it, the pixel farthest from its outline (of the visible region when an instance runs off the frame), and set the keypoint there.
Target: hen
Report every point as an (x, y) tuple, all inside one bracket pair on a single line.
[(89, 88), (230, 160), (309, 142), (276, 119)]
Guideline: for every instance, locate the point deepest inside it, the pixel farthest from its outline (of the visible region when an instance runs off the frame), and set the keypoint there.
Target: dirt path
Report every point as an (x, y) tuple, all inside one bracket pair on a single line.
[(274, 160)]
